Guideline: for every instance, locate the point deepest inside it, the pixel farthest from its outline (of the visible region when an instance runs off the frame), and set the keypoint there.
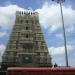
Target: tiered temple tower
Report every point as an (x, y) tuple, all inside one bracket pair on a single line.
[(26, 46)]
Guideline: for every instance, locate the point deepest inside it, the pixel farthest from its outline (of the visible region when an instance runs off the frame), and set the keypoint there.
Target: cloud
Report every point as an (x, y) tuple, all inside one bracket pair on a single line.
[(7, 16), (70, 28), (60, 36), (59, 50), (2, 34), (50, 16), (2, 49)]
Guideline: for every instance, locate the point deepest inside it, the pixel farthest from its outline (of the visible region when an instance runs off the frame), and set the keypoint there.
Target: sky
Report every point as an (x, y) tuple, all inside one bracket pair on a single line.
[(51, 25)]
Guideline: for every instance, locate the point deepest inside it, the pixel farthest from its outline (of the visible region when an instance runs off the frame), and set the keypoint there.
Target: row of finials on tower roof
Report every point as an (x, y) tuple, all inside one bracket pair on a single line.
[(27, 12)]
